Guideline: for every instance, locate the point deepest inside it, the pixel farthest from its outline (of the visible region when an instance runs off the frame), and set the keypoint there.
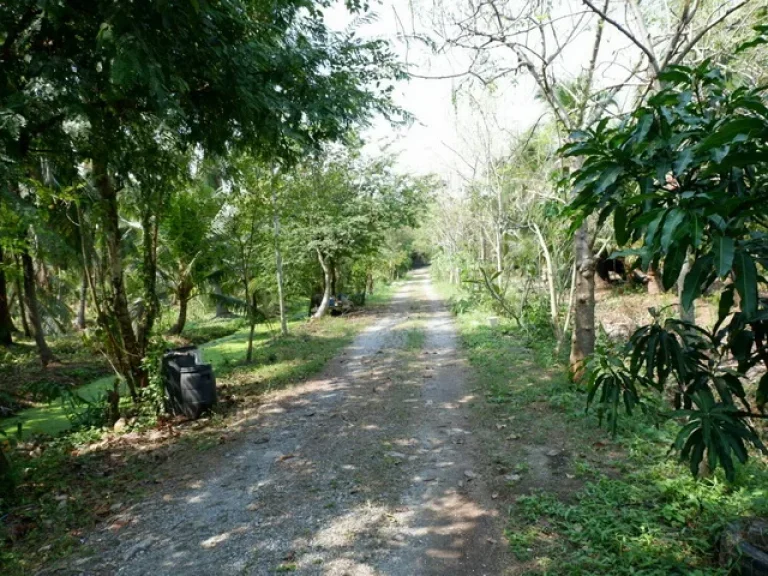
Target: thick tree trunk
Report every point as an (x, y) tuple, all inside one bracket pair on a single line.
[(128, 357), (323, 308), (279, 265), (30, 297), (583, 341), (183, 294), (80, 320), (6, 324)]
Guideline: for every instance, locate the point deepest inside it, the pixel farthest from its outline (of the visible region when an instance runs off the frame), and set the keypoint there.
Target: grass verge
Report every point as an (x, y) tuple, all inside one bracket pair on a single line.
[(580, 502)]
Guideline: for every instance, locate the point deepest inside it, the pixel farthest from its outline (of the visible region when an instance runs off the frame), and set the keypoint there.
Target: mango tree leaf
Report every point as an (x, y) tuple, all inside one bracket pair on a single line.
[(620, 225), (733, 130), (745, 280), (724, 249), (673, 264), (671, 224), (694, 280)]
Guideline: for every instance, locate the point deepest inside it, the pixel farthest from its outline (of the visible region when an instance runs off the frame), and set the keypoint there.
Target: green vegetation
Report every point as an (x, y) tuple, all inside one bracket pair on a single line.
[(634, 509), (91, 482)]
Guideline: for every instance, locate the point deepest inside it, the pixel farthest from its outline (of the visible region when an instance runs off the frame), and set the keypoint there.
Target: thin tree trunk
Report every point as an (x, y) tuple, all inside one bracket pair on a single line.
[(499, 255), (567, 322), (30, 296), (321, 310), (279, 264), (80, 321), (583, 341), (689, 314), (20, 296), (553, 311), (6, 324), (249, 354)]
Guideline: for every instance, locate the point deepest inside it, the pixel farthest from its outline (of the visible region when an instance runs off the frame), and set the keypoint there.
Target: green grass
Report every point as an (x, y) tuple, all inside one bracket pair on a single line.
[(638, 511)]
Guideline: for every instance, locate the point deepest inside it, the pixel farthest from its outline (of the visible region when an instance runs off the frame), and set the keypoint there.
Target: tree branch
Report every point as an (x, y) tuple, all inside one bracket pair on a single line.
[(688, 47), (627, 33)]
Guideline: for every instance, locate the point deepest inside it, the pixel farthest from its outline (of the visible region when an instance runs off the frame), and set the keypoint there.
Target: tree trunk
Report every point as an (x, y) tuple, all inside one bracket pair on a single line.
[(687, 315), (128, 358), (321, 310), (554, 313), (332, 265), (22, 307), (184, 292), (369, 282), (30, 297), (7, 485), (6, 324), (80, 320), (279, 264), (583, 341), (249, 354)]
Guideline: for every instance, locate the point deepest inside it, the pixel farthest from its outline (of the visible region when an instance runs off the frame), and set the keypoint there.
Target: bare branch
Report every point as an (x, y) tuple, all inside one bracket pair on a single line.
[(627, 33), (687, 48)]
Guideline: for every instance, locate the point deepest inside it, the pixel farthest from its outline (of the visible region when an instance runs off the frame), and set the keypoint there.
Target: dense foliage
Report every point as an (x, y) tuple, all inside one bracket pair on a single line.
[(684, 178)]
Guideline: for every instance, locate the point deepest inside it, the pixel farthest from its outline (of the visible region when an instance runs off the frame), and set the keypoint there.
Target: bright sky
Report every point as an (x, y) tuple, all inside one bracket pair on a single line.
[(444, 135)]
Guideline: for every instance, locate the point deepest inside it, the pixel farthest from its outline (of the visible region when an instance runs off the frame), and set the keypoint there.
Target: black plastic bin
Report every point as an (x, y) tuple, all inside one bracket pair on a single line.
[(190, 385)]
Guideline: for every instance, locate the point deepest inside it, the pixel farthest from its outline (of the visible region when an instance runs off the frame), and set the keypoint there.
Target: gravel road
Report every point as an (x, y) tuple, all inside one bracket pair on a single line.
[(368, 469)]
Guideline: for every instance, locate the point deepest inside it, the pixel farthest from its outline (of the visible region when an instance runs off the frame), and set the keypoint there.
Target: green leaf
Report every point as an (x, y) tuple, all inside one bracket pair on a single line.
[(745, 273), (725, 304), (732, 131), (671, 224), (673, 264), (620, 225), (692, 288), (608, 177), (724, 249)]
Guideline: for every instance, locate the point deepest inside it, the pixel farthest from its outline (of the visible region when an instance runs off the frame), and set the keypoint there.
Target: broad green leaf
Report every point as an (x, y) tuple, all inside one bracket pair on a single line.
[(620, 225), (745, 273), (732, 131), (694, 280), (723, 249), (725, 304), (671, 226), (673, 264)]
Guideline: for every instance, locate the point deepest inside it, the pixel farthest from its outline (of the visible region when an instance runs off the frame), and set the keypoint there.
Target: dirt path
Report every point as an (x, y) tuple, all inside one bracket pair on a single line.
[(366, 470)]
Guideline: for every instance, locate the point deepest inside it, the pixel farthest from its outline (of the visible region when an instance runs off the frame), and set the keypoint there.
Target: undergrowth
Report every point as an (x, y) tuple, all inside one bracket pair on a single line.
[(64, 489), (637, 511)]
